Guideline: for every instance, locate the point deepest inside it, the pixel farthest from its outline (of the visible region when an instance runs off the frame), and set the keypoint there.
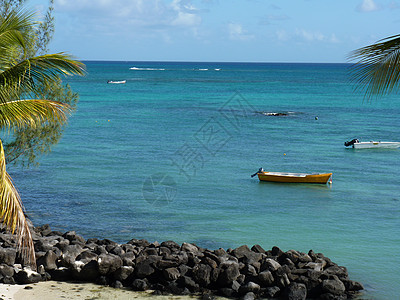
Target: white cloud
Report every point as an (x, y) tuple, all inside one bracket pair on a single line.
[(310, 36), (237, 32), (282, 35), (156, 14), (367, 6), (333, 39)]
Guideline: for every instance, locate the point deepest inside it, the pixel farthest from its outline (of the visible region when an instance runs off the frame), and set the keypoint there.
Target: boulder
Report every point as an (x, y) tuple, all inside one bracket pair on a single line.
[(171, 274), (144, 269), (296, 291), (26, 276), (7, 256), (74, 238), (258, 249), (202, 274), (123, 273), (6, 271), (249, 287), (140, 285), (229, 271), (86, 271), (249, 296), (108, 263), (266, 278), (333, 286), (186, 281), (270, 265), (61, 274), (48, 261)]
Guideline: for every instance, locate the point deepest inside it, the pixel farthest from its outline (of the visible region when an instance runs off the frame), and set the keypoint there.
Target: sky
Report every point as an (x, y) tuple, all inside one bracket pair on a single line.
[(315, 31)]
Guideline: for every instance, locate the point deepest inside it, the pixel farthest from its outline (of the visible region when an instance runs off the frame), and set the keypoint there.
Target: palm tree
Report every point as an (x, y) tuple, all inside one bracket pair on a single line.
[(20, 78), (378, 67)]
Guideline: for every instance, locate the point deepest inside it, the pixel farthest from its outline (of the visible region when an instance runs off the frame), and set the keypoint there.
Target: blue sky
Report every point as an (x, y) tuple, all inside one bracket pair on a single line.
[(220, 30)]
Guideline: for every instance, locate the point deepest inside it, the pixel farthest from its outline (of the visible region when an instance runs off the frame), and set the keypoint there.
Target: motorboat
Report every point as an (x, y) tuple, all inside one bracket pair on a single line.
[(355, 143), (321, 178), (116, 81)]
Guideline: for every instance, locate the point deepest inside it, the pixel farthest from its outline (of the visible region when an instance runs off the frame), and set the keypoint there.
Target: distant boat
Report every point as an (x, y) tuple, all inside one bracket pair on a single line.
[(321, 178), (355, 143), (117, 81)]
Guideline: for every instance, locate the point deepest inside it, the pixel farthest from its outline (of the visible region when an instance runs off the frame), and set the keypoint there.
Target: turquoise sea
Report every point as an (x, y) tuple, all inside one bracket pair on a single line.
[(168, 156)]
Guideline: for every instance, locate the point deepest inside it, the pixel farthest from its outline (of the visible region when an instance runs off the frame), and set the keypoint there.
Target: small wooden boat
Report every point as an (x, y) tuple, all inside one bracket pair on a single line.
[(322, 178), (355, 143), (117, 81)]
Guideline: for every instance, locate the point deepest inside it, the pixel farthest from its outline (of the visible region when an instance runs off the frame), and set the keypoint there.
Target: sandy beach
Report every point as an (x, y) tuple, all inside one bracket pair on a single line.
[(50, 290)]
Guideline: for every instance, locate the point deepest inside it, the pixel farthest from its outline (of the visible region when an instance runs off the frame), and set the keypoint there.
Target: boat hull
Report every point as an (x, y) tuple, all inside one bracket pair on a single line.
[(294, 177), (372, 145)]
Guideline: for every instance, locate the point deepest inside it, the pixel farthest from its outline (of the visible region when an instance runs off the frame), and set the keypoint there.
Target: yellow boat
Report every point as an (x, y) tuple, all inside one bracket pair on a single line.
[(322, 178)]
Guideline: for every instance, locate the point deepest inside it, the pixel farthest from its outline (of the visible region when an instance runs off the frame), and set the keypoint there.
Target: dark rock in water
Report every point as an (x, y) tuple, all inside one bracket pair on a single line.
[(333, 286), (171, 245), (139, 243), (178, 269), (296, 291), (352, 285), (258, 249), (73, 237), (328, 296), (43, 230)]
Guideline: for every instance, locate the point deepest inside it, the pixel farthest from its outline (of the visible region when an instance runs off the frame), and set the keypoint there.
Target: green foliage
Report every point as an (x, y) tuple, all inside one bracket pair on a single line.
[(26, 84), (27, 143), (377, 70), (30, 142)]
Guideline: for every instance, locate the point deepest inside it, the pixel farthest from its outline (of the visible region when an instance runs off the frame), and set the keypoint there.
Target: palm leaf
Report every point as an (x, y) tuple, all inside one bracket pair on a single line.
[(25, 75), (377, 70), (12, 213), (12, 28), (20, 113)]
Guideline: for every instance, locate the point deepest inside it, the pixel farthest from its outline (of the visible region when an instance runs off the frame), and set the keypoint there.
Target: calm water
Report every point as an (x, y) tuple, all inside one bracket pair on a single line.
[(169, 155)]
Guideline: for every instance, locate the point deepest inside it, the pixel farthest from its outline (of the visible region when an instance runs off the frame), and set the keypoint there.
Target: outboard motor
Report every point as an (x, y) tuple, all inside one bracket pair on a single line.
[(260, 170), (352, 142)]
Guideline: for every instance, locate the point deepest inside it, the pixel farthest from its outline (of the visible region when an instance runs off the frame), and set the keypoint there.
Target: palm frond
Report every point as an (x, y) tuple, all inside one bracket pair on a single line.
[(12, 28), (12, 213), (37, 70), (20, 113), (377, 70)]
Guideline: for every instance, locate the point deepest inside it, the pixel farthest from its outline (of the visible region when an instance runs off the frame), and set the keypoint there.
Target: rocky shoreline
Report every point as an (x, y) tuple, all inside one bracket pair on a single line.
[(170, 268)]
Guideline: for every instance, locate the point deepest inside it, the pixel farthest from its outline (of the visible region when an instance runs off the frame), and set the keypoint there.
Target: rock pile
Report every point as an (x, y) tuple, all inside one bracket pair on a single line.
[(170, 268)]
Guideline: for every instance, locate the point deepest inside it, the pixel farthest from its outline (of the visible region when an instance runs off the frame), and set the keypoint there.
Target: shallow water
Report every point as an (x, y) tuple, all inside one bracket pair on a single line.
[(169, 155)]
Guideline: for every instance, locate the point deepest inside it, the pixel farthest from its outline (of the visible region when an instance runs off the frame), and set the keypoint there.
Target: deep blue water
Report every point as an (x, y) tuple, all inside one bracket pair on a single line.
[(169, 155)]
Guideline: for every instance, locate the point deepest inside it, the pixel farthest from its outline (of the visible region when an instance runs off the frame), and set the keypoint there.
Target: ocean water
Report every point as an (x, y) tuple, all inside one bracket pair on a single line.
[(169, 154)]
